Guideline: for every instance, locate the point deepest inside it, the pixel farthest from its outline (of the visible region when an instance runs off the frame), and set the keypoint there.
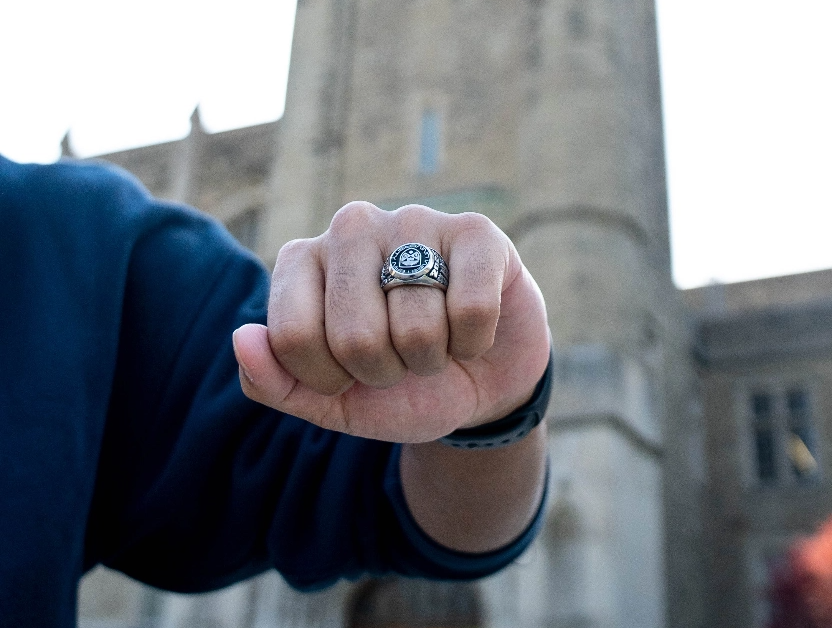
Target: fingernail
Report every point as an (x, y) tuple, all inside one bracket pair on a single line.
[(243, 369), (246, 375)]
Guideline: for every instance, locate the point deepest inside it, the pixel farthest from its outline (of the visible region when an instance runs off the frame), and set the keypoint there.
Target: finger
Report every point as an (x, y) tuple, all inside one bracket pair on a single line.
[(419, 328), (297, 334), (264, 380), (258, 366), (418, 320), (357, 328), (477, 262), (417, 413)]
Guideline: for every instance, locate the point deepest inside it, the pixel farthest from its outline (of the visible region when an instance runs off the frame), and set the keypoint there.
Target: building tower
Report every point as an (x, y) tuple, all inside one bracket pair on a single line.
[(544, 115)]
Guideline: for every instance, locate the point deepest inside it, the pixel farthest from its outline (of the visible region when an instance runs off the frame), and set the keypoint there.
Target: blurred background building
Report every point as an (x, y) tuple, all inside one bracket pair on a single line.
[(688, 430)]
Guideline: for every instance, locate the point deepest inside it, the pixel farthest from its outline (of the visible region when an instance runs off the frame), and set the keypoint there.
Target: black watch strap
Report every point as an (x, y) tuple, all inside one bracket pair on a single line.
[(511, 428)]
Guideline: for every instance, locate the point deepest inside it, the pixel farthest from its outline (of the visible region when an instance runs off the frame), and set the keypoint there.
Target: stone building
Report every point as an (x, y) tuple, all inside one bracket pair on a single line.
[(764, 354), (544, 115)]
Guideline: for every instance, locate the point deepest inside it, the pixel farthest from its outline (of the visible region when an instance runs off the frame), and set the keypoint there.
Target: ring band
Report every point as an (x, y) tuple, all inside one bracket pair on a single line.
[(414, 264)]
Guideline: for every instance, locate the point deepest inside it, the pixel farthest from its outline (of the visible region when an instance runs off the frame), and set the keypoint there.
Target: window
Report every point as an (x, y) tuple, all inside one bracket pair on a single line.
[(783, 436), (802, 442), (429, 139), (764, 437)]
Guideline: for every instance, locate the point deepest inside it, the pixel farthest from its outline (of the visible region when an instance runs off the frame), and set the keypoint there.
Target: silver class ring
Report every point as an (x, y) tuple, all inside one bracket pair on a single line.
[(414, 264)]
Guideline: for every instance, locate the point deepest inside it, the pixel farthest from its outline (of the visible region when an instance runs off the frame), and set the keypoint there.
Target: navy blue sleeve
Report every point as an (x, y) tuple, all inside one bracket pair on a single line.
[(221, 487), (196, 486)]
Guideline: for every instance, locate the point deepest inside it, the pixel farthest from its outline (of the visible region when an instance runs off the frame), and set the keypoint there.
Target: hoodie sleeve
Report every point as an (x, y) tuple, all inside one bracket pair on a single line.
[(198, 487)]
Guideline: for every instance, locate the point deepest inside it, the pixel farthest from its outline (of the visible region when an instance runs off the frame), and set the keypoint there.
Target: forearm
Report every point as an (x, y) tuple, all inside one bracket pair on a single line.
[(475, 500)]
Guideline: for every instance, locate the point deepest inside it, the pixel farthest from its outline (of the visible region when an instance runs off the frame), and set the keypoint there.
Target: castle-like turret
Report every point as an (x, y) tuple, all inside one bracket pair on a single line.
[(546, 116)]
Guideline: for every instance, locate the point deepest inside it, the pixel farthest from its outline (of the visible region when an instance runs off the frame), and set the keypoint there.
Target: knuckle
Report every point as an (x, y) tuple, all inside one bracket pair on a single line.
[(416, 337), (289, 337), (472, 222), (353, 217), (357, 346), (474, 315), (414, 216), (413, 210), (294, 248)]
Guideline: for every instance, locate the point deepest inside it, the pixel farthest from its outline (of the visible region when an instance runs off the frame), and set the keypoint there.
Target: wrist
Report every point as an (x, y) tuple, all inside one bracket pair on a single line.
[(512, 427)]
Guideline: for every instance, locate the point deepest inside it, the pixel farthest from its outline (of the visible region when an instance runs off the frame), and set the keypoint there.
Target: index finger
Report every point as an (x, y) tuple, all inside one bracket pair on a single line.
[(478, 260)]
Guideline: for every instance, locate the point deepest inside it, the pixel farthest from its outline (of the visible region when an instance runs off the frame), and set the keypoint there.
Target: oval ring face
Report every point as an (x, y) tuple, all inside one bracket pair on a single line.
[(410, 260)]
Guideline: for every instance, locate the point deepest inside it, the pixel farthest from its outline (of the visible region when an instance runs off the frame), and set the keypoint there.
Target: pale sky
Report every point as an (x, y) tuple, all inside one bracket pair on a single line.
[(747, 101)]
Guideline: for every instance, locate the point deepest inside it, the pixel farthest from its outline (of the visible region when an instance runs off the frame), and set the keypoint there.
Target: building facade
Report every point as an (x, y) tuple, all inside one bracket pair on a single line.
[(764, 354), (544, 115)]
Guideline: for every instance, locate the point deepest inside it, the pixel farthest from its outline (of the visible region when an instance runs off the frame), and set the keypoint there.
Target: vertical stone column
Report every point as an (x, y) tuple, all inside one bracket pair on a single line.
[(307, 174), (593, 230)]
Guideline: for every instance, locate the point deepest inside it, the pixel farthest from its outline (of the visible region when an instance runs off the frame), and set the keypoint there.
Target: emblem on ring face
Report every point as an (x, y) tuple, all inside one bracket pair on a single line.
[(414, 264), (410, 259)]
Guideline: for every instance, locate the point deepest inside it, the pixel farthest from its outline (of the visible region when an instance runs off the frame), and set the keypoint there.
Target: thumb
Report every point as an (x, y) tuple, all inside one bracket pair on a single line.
[(261, 376), (263, 380)]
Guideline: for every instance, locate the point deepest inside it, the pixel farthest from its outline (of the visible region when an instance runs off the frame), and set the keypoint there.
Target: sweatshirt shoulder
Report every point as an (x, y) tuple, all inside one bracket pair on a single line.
[(83, 182), (83, 196)]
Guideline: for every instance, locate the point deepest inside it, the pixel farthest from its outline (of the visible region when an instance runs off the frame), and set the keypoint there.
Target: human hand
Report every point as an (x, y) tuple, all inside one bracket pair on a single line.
[(410, 365)]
